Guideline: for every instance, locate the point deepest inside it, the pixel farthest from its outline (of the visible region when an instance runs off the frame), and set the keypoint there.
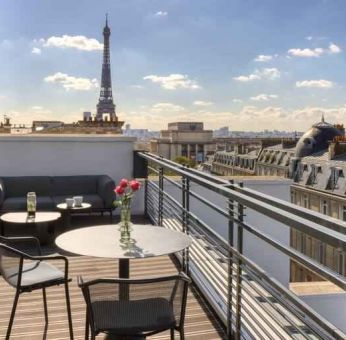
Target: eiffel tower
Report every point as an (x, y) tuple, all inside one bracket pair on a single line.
[(105, 104)]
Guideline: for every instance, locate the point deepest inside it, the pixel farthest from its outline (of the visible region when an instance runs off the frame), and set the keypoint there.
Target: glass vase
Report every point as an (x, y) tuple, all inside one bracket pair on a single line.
[(31, 204), (125, 225)]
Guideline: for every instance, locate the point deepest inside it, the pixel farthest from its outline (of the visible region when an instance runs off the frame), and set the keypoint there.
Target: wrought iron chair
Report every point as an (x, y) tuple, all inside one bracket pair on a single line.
[(24, 268), (135, 307)]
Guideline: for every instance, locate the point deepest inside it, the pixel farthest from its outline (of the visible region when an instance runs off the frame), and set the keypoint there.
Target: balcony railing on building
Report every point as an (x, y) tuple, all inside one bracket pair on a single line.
[(249, 300)]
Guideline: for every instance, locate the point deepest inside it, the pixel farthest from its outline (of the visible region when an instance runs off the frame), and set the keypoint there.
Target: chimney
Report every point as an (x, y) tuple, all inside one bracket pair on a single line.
[(337, 147)]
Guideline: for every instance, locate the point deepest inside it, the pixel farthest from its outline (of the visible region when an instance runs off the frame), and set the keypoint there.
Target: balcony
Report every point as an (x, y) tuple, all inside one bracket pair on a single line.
[(239, 260)]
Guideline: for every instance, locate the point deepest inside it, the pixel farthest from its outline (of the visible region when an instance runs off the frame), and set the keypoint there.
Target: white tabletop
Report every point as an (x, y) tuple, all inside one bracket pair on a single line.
[(22, 217), (84, 205), (104, 241)]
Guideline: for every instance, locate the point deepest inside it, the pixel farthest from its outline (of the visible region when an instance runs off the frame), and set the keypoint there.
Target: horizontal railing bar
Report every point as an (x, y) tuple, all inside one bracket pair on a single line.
[(220, 245), (175, 183), (258, 305), (318, 218), (331, 237), (286, 299), (260, 325), (212, 205), (272, 305), (153, 169), (270, 284), (306, 261), (311, 215)]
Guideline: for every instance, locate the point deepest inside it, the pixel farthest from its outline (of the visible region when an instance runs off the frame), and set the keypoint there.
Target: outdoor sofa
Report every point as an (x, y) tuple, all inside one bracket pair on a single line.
[(52, 190)]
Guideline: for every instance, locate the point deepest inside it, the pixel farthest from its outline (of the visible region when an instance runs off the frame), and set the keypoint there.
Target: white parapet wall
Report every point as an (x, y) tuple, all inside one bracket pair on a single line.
[(63, 155)]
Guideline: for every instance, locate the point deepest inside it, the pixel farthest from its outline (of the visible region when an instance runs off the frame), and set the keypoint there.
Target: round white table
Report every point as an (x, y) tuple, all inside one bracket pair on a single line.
[(68, 210), (104, 241), (41, 218)]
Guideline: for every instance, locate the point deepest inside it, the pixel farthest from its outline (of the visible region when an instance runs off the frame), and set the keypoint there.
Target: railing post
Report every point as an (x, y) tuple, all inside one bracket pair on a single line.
[(185, 202), (187, 224), (230, 265), (160, 211), (239, 268), (146, 197)]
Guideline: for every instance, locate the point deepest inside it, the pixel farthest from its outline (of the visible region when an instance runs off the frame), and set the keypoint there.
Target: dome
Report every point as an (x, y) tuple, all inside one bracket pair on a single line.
[(316, 139)]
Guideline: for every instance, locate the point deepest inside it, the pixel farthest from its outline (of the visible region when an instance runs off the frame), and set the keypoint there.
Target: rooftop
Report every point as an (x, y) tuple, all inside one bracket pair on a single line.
[(234, 290)]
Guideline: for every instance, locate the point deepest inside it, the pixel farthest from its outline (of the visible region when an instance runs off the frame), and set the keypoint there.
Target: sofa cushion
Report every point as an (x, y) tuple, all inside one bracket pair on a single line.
[(20, 186), (94, 199), (73, 185), (19, 203)]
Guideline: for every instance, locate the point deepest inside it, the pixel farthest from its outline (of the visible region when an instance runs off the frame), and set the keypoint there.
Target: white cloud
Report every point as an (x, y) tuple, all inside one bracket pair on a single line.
[(314, 53), (249, 117), (334, 49), (321, 83), (246, 79), (237, 100), (270, 73), (164, 107), (79, 42), (161, 13), (306, 52), (264, 97), (72, 83), (202, 103), (263, 58), (173, 81), (36, 50), (264, 73), (135, 86)]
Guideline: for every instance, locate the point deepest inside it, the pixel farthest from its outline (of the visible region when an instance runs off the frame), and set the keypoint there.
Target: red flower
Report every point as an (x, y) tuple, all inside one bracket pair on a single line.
[(135, 185), (124, 183), (119, 190)]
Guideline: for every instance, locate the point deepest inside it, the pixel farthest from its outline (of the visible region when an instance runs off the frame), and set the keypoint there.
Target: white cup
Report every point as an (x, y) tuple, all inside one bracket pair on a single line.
[(69, 202), (78, 200)]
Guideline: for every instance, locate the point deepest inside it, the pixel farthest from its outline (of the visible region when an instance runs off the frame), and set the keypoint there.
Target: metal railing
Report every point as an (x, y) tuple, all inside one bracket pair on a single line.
[(250, 302)]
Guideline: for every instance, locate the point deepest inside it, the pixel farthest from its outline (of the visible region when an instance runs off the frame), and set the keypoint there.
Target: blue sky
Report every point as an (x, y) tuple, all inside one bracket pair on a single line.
[(246, 64)]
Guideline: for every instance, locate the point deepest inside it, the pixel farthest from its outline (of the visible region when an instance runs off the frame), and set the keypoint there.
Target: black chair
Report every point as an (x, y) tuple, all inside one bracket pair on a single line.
[(135, 308), (24, 268)]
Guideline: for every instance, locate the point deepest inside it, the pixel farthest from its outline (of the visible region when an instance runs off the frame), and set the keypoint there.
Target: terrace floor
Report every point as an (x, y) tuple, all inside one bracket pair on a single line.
[(29, 321)]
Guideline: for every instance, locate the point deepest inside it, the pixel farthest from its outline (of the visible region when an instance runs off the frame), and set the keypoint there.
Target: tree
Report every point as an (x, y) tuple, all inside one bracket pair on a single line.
[(185, 161)]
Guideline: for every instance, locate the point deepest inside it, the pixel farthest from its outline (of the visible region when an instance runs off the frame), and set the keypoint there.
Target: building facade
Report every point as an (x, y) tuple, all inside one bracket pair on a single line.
[(187, 139), (320, 185)]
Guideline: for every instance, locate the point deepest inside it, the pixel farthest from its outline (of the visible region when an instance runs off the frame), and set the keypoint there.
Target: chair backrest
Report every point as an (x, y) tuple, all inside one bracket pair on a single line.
[(171, 288), (11, 265)]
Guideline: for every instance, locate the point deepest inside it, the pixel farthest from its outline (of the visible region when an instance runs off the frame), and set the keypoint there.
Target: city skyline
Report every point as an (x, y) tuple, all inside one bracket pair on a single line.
[(249, 67)]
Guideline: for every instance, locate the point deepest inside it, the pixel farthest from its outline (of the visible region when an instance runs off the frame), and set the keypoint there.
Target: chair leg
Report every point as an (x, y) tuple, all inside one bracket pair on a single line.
[(182, 335), (86, 325), (68, 305), (172, 333), (13, 312), (45, 305)]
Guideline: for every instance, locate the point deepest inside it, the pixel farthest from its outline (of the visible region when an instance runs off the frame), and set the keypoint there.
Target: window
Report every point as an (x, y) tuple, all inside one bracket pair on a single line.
[(340, 263), (343, 213), (324, 207), (305, 201), (321, 252), (313, 174), (334, 176)]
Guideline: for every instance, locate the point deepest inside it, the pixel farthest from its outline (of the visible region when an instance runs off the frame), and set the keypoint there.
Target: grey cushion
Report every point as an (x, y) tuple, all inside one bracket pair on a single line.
[(133, 317), (94, 199), (34, 273), (19, 203), (105, 189), (74, 185), (20, 186)]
